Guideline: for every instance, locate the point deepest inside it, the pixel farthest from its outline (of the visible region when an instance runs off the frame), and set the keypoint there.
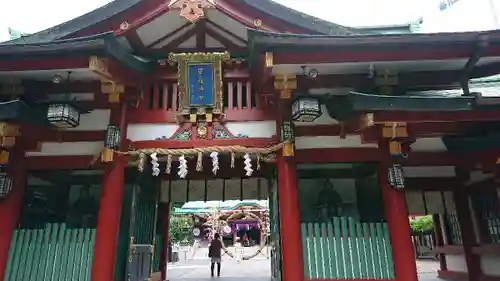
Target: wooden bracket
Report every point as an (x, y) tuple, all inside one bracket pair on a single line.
[(109, 84), (285, 84), (288, 150), (114, 90), (100, 67), (395, 130), (4, 157)]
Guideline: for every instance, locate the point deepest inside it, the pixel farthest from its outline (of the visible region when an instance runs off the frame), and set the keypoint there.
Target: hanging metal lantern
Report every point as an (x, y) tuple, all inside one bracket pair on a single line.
[(63, 115), (113, 137), (396, 176), (287, 131), (5, 183), (306, 109)]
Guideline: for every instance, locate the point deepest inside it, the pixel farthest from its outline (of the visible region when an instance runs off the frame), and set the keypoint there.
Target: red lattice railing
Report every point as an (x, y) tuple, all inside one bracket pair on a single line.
[(160, 103)]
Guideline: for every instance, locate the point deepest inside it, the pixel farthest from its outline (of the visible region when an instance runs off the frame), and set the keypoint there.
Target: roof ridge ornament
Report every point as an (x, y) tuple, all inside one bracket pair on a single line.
[(192, 10)]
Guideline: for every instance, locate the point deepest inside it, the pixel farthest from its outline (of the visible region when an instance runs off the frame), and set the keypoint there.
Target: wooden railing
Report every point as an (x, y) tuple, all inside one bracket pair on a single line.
[(365, 253), (160, 102), (52, 253)]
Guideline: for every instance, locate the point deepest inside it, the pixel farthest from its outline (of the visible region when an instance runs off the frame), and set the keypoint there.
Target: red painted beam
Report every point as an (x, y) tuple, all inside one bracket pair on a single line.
[(76, 87), (45, 64), (349, 155), (338, 155), (313, 56), (71, 162), (431, 184), (425, 129), (44, 134), (176, 144), (417, 79), (424, 116)]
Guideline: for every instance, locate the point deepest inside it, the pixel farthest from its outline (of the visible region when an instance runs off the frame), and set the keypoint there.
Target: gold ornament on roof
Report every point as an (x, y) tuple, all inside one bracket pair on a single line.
[(192, 10)]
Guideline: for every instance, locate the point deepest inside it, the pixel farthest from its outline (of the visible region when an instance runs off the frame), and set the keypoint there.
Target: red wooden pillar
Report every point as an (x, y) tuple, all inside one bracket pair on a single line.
[(396, 214), (10, 208), (166, 239), (291, 241), (464, 215), (108, 221)]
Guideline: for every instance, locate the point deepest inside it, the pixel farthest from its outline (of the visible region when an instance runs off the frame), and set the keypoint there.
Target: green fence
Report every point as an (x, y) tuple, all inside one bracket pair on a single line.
[(157, 253), (53, 253), (346, 249)]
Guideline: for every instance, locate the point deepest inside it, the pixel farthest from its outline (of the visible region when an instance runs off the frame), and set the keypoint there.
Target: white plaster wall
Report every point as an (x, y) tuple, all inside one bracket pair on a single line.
[(253, 129), (96, 120), (68, 148), (490, 265), (456, 263), (142, 132), (433, 171), (428, 144), (330, 142)]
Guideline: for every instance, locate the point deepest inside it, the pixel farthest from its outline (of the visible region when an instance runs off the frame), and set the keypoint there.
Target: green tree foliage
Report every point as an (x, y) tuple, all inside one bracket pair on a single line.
[(180, 228), (421, 225)]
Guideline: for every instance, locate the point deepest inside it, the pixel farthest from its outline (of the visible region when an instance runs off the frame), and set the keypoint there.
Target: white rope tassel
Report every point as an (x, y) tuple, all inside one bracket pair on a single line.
[(248, 164), (168, 166), (154, 164), (183, 171), (215, 162)]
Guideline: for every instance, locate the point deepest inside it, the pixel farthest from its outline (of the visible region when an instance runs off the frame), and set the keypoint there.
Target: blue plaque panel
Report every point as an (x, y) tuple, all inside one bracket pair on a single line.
[(200, 84)]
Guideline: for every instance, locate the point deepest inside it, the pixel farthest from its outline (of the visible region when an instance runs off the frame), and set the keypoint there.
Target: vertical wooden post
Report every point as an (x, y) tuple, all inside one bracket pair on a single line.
[(166, 240), (464, 215), (110, 205), (396, 214), (439, 240), (291, 241), (10, 207)]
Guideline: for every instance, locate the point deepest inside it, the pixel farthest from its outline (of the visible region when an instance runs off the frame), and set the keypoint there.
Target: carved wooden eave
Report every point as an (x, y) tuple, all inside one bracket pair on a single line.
[(109, 85), (192, 10)]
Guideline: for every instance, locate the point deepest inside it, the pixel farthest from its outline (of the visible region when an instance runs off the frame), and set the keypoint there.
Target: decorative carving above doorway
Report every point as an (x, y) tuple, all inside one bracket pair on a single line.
[(192, 10)]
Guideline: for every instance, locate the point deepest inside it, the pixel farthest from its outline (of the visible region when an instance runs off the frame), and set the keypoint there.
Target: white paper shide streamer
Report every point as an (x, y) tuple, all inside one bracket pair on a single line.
[(154, 164), (248, 164), (215, 162), (183, 170)]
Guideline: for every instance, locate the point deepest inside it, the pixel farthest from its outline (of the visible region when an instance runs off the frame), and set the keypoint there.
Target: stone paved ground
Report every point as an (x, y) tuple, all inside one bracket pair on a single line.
[(257, 269)]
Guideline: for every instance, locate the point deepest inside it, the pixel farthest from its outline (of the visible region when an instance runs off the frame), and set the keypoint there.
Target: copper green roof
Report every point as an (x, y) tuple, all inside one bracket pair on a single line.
[(104, 44), (200, 207), (273, 9), (270, 41)]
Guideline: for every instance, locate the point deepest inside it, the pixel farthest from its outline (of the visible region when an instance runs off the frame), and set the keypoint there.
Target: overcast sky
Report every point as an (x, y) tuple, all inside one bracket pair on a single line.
[(35, 15)]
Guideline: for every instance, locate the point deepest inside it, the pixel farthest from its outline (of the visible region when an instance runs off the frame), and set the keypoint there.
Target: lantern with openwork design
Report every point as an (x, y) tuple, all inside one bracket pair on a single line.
[(5, 183), (396, 176), (113, 137), (306, 109), (287, 131), (63, 115)]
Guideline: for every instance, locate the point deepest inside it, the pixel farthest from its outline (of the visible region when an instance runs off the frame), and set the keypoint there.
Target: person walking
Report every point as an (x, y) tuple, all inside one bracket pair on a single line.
[(214, 253)]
